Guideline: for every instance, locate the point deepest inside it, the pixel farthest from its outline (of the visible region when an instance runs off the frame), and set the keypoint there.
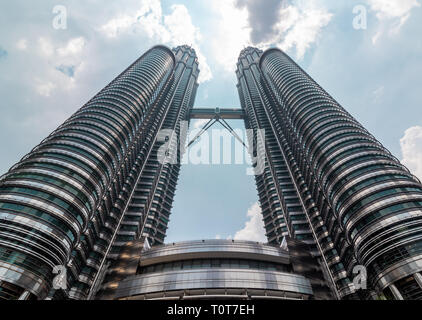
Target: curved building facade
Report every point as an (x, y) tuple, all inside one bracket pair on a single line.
[(212, 269), (76, 212), (355, 203), (69, 202)]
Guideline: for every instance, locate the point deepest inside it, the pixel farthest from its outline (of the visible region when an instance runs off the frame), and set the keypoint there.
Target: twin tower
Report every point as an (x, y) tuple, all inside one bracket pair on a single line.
[(77, 214)]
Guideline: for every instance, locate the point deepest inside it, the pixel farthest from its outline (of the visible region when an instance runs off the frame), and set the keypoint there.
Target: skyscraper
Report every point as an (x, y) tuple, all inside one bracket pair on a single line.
[(79, 213), (95, 182), (330, 183)]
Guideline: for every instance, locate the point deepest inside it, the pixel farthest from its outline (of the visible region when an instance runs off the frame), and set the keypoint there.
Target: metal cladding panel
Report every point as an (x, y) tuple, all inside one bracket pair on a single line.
[(368, 202), (211, 279), (57, 201)]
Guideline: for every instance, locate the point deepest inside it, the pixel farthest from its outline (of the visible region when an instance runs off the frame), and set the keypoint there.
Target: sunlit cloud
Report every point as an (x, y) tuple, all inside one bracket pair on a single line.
[(173, 29), (254, 227), (411, 148), (392, 14)]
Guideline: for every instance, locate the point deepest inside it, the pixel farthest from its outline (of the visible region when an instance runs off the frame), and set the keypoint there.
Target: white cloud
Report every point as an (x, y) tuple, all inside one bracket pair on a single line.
[(392, 14), (254, 227), (44, 88), (232, 32), (62, 62), (182, 31), (297, 27), (174, 29), (300, 26), (411, 148), (148, 18), (378, 93), (45, 46), (73, 47), (22, 44), (392, 8), (376, 37), (199, 124), (117, 25), (180, 25)]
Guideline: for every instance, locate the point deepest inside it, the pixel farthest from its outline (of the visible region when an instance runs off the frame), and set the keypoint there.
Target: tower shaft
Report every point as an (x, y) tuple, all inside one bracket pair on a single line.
[(328, 181), (95, 182)]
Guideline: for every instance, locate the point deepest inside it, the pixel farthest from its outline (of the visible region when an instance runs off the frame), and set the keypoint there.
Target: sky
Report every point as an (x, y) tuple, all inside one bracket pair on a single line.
[(54, 56)]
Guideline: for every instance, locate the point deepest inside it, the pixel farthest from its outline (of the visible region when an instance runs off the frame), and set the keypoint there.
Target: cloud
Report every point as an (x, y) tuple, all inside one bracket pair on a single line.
[(57, 71), (73, 47), (300, 27), (262, 17), (376, 37), (232, 32), (392, 9), (44, 88), (45, 46), (392, 14), (174, 29), (22, 44), (378, 93), (254, 227), (411, 148), (66, 57), (199, 124), (182, 31), (148, 18), (290, 25)]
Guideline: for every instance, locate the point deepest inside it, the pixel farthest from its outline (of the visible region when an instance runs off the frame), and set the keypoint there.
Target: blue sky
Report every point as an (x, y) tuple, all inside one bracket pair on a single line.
[(374, 72)]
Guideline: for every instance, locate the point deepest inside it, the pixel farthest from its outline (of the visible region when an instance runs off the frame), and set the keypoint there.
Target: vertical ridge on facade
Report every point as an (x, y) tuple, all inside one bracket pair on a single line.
[(358, 204), (61, 204)]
